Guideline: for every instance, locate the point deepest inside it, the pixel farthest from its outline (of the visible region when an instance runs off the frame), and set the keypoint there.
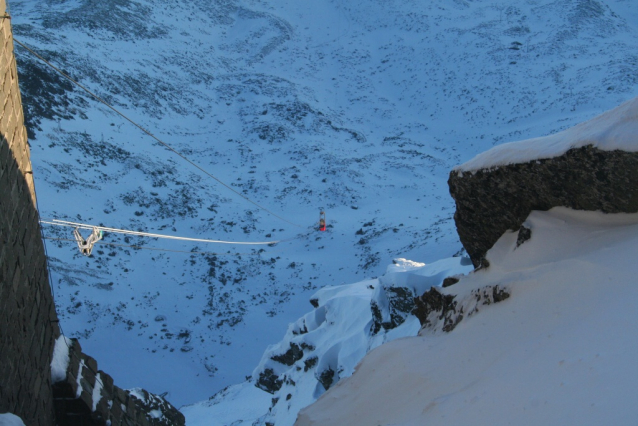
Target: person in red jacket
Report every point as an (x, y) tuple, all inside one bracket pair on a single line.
[(322, 221)]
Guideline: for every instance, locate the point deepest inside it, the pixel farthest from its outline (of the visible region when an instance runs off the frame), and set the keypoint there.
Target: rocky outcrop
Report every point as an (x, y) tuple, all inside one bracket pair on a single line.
[(399, 302), (492, 201), (437, 310)]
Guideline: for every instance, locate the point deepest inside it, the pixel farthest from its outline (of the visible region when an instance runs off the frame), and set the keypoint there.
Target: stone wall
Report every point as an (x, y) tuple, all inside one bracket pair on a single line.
[(29, 325), (28, 322), (492, 201)]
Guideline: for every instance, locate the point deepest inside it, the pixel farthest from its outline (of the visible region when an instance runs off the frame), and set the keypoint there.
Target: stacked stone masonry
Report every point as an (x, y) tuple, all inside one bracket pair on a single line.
[(28, 321)]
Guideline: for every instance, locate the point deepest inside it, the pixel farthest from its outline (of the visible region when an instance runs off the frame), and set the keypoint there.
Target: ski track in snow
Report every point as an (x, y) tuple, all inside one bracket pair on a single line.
[(358, 108)]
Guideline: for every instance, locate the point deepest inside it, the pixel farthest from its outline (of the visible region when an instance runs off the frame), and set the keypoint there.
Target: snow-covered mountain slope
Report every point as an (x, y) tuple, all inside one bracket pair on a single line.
[(325, 345), (560, 350), (360, 108)]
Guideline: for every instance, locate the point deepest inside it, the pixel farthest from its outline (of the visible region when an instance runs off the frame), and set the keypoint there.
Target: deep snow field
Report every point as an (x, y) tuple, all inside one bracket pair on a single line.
[(360, 108)]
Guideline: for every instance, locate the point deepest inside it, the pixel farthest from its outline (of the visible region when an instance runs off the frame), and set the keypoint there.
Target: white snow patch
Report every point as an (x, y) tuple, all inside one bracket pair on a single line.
[(243, 401), (97, 392), (616, 129), (139, 394), (78, 392), (9, 419), (60, 361)]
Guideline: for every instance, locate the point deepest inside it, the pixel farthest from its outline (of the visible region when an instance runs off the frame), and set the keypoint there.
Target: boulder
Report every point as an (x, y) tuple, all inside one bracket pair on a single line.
[(591, 166), (492, 201)]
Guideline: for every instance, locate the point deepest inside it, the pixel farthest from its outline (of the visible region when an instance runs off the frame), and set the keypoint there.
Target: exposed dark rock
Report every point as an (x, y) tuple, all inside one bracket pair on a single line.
[(498, 294), (307, 347), (401, 303), (292, 355), (314, 302), (442, 305), (524, 234), (300, 330), (491, 201), (269, 381), (400, 306), (449, 281), (326, 378), (437, 310), (289, 381), (377, 318), (310, 363)]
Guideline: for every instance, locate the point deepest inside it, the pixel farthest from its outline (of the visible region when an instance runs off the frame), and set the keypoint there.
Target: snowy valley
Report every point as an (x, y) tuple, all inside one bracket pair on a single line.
[(358, 108)]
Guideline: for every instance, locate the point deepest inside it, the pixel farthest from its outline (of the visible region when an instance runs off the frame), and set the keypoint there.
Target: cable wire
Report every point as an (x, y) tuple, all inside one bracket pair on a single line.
[(159, 249), (167, 146), (57, 222)]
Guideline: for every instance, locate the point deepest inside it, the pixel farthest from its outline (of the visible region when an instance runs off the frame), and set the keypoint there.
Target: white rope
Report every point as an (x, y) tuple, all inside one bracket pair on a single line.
[(147, 234)]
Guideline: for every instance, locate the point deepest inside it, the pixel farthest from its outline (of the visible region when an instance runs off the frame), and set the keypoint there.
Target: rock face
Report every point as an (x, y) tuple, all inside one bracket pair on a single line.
[(437, 310), (492, 201), (399, 302)]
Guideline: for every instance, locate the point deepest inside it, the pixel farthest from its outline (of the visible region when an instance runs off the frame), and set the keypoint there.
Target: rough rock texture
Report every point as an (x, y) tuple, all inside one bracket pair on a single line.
[(269, 381), (432, 307), (400, 302), (439, 311), (327, 378), (449, 281), (492, 201), (292, 355)]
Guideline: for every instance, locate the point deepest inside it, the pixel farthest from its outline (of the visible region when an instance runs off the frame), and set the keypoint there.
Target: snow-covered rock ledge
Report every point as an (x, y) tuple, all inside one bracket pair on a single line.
[(560, 350), (592, 166)]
